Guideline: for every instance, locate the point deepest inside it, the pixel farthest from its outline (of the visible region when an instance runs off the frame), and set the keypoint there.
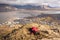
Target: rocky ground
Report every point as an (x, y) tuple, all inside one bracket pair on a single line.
[(48, 29)]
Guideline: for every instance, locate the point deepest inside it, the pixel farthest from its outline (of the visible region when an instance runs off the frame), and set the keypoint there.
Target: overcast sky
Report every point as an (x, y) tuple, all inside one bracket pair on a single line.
[(36, 2)]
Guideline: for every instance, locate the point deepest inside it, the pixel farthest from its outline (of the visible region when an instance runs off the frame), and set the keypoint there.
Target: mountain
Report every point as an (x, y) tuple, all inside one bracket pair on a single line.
[(12, 7), (28, 6), (3, 5), (6, 7)]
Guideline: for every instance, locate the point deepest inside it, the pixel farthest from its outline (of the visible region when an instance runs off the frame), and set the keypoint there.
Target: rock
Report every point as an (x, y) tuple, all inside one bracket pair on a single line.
[(21, 32), (56, 39), (46, 39)]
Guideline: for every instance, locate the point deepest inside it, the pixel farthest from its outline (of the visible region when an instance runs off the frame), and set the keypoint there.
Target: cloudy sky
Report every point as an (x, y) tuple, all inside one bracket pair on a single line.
[(37, 2)]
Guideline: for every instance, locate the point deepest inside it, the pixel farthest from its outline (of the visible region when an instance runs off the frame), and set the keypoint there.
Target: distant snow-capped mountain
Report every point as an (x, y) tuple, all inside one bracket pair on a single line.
[(11, 7)]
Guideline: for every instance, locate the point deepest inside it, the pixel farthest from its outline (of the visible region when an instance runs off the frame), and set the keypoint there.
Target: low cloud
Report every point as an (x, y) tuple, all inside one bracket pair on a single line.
[(37, 2)]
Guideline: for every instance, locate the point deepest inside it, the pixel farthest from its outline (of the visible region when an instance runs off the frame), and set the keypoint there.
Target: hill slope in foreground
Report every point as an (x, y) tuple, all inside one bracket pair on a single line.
[(48, 29)]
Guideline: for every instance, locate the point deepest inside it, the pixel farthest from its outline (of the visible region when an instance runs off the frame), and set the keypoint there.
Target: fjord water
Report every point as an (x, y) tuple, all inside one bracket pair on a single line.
[(5, 16)]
